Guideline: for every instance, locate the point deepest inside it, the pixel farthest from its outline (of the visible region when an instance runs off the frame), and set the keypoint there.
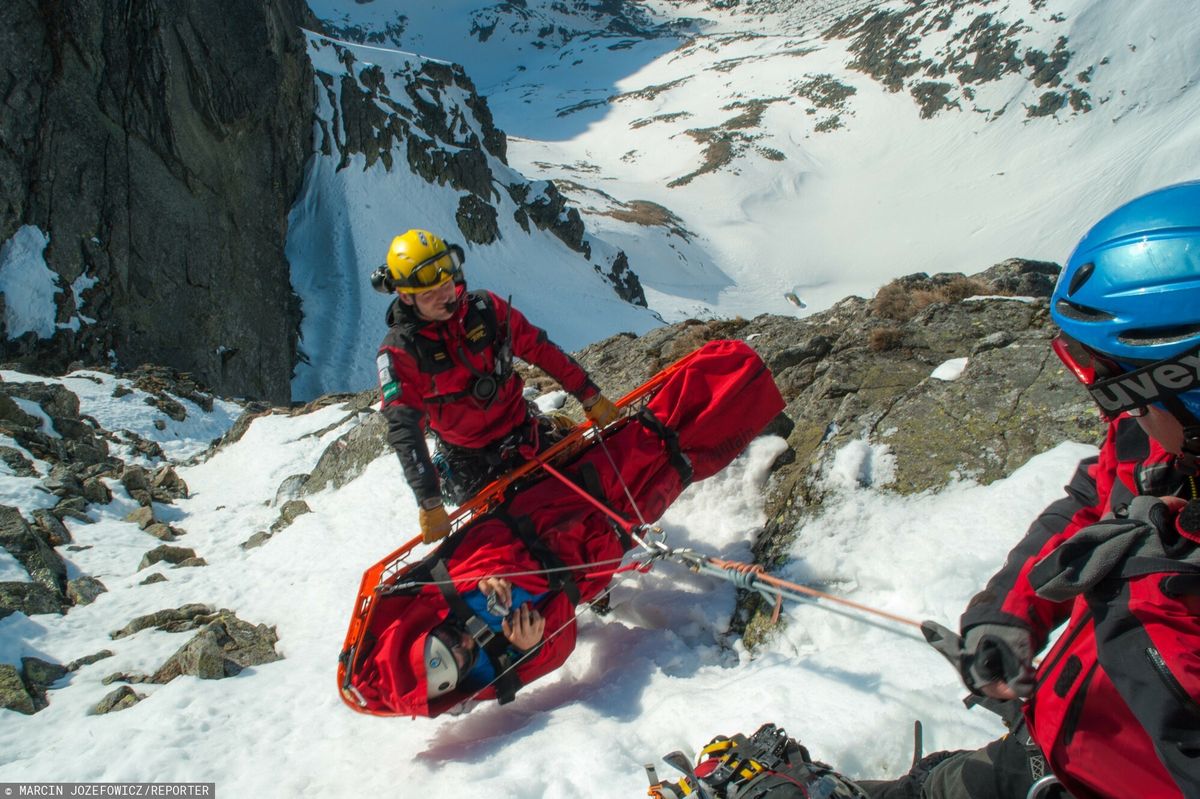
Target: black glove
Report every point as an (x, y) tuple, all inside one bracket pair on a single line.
[(987, 654)]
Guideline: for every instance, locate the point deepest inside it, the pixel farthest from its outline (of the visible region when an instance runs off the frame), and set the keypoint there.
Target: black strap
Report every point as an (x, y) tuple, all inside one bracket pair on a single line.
[(557, 574), (671, 439), (589, 476), (507, 683), (502, 355)]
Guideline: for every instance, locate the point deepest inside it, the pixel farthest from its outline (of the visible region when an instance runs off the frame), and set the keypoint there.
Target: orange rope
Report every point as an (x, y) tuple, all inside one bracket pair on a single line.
[(760, 574)]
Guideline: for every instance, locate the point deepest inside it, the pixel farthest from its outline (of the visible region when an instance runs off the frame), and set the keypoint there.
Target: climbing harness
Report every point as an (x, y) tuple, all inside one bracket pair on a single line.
[(767, 763)]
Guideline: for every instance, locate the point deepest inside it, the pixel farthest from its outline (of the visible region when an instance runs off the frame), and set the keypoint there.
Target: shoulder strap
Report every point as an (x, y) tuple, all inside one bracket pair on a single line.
[(507, 683), (502, 338), (559, 577), (502, 368), (671, 439)]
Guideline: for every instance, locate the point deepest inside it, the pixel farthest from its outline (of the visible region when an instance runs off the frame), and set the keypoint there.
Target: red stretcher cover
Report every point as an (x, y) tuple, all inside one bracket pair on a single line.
[(716, 403)]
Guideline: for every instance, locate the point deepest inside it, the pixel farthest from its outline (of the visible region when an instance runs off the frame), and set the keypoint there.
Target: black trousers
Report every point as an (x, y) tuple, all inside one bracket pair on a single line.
[(1003, 769), (464, 471)]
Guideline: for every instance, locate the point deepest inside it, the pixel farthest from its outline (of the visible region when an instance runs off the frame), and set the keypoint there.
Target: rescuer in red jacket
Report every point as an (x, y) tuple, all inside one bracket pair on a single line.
[(446, 362), (1113, 708)]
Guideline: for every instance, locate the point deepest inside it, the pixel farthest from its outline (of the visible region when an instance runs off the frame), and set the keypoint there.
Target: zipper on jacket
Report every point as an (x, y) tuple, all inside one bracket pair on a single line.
[(1173, 685), (1075, 709)]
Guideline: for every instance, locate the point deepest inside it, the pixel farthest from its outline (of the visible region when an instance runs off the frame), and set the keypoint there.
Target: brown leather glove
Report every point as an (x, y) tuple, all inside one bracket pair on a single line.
[(600, 410), (435, 523)]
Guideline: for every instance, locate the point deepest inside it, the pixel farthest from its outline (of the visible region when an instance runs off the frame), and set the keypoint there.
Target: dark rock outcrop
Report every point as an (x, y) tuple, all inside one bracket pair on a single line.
[(14, 693), (408, 118), (222, 648), (118, 699), (44, 565), (29, 598), (84, 590), (892, 46), (160, 146)]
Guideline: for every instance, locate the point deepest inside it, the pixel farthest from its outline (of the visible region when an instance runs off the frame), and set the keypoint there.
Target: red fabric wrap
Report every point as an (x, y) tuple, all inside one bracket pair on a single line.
[(716, 403)]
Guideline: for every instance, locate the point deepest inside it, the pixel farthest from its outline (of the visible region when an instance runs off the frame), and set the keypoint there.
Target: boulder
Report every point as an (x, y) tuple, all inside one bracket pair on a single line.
[(62, 481), (84, 590), (97, 491), (170, 554), (39, 559), (15, 460), (222, 648), (135, 478), (29, 598), (161, 531), (42, 673), (50, 528), (143, 516), (39, 675), (14, 694), (168, 619), (291, 510), (166, 480), (257, 540), (118, 699), (88, 660)]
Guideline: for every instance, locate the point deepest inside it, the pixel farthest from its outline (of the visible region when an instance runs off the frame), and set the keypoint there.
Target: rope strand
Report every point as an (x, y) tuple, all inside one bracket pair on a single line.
[(754, 574)]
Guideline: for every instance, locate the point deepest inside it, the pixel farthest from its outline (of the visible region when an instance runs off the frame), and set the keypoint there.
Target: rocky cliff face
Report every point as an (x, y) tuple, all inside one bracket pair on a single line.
[(160, 145), (424, 116)]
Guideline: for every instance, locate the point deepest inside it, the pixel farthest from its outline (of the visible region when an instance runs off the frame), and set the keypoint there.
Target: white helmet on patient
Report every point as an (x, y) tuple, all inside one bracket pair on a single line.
[(441, 669)]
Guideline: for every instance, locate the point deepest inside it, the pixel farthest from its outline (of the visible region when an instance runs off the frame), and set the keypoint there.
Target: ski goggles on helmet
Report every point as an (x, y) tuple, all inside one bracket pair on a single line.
[(1172, 383), (431, 273)]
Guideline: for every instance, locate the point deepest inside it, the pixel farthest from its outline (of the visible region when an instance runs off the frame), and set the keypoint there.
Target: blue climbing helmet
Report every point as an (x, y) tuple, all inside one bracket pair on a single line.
[(1130, 295)]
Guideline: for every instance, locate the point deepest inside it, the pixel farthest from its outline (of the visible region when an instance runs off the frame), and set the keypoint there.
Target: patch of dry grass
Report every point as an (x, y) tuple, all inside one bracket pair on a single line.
[(901, 301)]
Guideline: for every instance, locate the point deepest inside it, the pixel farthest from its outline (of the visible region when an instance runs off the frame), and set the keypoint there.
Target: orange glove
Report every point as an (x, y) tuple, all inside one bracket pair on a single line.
[(600, 410), (435, 523)]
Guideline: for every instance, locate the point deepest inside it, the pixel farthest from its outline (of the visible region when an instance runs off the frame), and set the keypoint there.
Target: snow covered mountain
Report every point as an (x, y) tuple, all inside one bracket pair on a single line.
[(738, 150)]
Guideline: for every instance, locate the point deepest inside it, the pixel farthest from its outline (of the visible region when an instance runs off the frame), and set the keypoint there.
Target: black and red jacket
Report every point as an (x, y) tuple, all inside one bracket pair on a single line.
[(427, 371), (1116, 704)]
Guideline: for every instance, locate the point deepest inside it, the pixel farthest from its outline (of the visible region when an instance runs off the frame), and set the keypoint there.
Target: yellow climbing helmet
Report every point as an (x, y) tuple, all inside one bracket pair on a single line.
[(418, 261)]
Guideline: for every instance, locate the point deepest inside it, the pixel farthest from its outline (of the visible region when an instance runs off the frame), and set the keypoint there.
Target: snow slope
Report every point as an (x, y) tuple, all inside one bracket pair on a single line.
[(657, 674), (828, 207)]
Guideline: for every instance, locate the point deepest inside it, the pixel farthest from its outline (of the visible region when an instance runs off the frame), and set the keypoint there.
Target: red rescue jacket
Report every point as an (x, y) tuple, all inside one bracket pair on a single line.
[(1116, 704), (428, 370)]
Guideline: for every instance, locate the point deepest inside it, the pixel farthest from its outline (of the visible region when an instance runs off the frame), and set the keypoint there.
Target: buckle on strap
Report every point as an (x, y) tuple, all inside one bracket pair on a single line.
[(478, 629)]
